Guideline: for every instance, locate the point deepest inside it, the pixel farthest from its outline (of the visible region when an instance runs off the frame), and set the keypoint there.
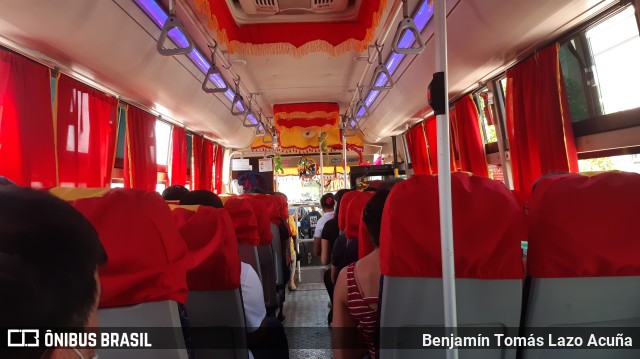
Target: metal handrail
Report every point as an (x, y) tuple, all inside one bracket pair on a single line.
[(407, 24)]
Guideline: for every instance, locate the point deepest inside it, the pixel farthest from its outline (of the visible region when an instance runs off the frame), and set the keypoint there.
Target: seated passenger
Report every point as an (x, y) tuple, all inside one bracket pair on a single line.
[(356, 291), (265, 336), (174, 193), (328, 238), (201, 197), (49, 259), (327, 202)]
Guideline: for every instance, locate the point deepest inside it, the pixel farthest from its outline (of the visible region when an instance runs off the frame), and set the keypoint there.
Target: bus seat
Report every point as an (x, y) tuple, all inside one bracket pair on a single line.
[(213, 276), (354, 221), (145, 276), (488, 263), (262, 210), (276, 248), (244, 220), (583, 257), (344, 203)]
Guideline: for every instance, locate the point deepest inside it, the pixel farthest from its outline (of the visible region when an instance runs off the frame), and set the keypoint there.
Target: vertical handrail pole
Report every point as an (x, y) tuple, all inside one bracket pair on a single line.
[(321, 172), (344, 159), (444, 178)]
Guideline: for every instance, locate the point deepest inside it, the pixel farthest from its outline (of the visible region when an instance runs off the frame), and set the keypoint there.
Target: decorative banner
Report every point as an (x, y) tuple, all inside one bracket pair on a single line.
[(296, 39), (300, 127)]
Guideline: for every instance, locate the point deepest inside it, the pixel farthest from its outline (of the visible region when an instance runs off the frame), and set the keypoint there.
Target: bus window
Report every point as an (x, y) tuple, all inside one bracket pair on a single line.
[(600, 69), (163, 134), (487, 124), (627, 163)]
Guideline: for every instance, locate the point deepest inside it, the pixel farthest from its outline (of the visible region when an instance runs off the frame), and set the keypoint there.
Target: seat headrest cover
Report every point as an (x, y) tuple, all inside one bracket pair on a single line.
[(213, 261), (488, 226), (344, 208), (147, 255), (244, 220), (262, 209), (585, 226), (364, 241), (354, 213)]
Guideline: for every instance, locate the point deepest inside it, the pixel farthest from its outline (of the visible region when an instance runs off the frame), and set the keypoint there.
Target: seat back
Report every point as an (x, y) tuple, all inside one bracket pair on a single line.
[(245, 225), (354, 224), (278, 259), (583, 257), (213, 275), (488, 264), (145, 276), (249, 254)]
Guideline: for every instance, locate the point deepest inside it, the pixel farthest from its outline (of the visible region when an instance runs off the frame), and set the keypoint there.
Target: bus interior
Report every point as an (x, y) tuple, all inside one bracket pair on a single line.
[(533, 105)]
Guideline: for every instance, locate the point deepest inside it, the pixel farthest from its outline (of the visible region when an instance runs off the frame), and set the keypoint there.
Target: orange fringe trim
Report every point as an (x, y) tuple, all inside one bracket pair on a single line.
[(283, 48)]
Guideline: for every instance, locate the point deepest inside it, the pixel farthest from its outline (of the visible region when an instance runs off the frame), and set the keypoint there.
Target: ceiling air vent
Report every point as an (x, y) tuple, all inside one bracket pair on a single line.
[(279, 11)]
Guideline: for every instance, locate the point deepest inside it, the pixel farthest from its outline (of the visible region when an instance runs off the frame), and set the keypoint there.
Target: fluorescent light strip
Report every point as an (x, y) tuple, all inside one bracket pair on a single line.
[(421, 19), (158, 16)]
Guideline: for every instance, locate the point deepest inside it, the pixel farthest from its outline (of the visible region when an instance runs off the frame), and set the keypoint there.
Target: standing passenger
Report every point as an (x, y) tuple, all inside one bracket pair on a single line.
[(327, 202)]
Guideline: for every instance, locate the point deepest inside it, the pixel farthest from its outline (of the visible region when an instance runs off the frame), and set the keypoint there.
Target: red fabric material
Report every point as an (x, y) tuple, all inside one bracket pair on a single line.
[(272, 205), (583, 226), (467, 139), (262, 209), (178, 160), (140, 168), (296, 34), (354, 213), (213, 261), (538, 121), (344, 206), (364, 241), (147, 255), (432, 143), (218, 163), (244, 220), (202, 168), (27, 150), (484, 248), (87, 126), (417, 145)]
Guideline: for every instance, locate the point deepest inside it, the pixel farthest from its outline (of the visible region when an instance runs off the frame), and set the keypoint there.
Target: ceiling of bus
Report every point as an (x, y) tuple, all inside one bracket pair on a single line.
[(113, 43)]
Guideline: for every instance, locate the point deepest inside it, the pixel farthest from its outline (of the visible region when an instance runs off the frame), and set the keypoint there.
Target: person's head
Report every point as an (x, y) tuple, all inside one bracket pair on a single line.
[(202, 197), (174, 193), (327, 202), (372, 214), (338, 198), (4, 181), (49, 259)]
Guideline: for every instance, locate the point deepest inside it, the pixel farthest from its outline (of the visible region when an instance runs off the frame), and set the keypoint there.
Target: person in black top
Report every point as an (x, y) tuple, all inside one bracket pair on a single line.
[(330, 233)]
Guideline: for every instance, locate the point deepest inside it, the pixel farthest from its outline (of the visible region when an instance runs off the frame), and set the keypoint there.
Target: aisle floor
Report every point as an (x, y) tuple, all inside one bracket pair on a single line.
[(306, 322)]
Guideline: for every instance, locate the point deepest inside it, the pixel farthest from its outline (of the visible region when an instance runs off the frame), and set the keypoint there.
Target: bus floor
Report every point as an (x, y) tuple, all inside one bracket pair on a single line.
[(306, 312)]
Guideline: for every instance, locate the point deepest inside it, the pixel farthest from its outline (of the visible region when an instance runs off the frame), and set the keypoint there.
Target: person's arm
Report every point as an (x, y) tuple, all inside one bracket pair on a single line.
[(336, 257), (344, 333), (325, 255), (252, 297), (317, 247), (334, 273)]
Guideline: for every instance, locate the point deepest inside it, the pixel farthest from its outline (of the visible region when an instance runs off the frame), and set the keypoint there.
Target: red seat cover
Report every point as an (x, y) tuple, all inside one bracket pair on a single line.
[(244, 220), (344, 206), (261, 210), (488, 226), (213, 260), (147, 255), (355, 224), (585, 226)]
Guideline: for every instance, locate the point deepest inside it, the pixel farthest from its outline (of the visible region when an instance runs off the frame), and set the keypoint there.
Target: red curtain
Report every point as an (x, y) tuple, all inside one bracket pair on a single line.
[(140, 168), (27, 147), (432, 142), (87, 127), (202, 167), (177, 161), (218, 162), (538, 121), (466, 139), (417, 145)]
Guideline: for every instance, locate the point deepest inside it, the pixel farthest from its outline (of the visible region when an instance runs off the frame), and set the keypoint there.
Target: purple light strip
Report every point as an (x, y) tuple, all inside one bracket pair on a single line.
[(158, 16)]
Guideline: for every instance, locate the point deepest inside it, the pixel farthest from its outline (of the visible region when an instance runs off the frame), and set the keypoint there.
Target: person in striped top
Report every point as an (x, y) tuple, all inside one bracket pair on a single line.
[(355, 312)]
